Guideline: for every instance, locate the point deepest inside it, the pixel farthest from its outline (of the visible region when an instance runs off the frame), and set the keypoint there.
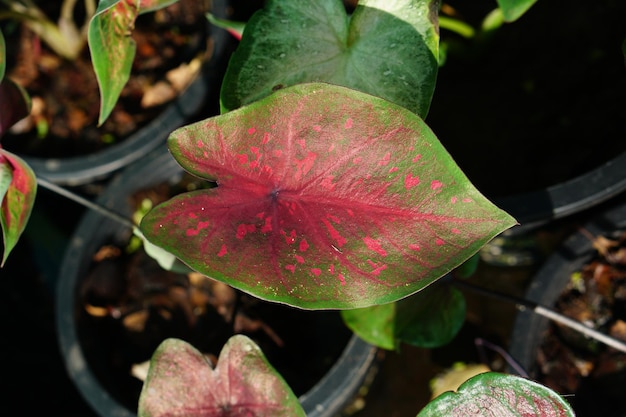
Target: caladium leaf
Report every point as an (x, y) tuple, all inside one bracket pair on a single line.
[(428, 319), (327, 198), (112, 47), (493, 394), (386, 48), (182, 382), (18, 187)]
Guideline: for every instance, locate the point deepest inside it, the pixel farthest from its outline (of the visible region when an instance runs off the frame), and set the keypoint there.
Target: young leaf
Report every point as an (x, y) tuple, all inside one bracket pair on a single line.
[(18, 187), (327, 198), (514, 9), (112, 47), (181, 381), (428, 319), (386, 48), (493, 394)]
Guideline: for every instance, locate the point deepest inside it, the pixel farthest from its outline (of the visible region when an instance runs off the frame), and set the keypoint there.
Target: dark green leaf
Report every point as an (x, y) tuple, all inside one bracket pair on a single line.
[(386, 48)]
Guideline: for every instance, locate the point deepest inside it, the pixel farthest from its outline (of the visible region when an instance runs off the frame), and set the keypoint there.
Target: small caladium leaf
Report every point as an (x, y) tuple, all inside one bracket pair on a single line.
[(493, 394), (234, 28), (514, 9), (327, 198), (386, 48), (18, 187), (428, 319), (182, 382), (112, 47)]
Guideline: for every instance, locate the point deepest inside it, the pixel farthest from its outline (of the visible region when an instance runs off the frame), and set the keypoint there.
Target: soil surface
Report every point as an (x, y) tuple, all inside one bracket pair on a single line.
[(590, 374), (65, 95)]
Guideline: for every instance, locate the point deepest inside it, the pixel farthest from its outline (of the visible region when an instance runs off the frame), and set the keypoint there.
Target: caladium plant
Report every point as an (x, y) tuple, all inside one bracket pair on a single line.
[(181, 381), (327, 198), (18, 185)]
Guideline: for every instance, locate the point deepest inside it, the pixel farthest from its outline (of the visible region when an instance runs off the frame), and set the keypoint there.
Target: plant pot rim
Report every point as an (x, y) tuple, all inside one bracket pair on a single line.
[(84, 169), (535, 208), (552, 277), (325, 399)]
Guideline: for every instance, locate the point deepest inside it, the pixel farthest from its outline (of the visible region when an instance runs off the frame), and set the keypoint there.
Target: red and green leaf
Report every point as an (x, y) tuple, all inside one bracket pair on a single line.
[(14, 101), (493, 394), (385, 48), (428, 319), (327, 198), (182, 382), (18, 187), (112, 47)]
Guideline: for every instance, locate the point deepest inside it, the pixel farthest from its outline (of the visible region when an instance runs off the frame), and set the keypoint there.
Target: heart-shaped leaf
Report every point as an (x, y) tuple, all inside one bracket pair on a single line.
[(493, 394), (112, 47), (386, 48), (182, 382), (18, 187), (428, 319), (327, 198)]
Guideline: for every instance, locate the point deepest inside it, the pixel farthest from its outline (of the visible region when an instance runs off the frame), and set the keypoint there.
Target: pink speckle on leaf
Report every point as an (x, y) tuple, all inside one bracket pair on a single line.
[(357, 160), (256, 151), (266, 138), (386, 159), (252, 131), (243, 158), (410, 181), (435, 185), (334, 234), (374, 245), (342, 279), (317, 128), (455, 231), (393, 169), (192, 232), (290, 238), (290, 268), (316, 271), (467, 200), (349, 123), (199, 143), (299, 258), (417, 157), (267, 227), (304, 245), (223, 251), (453, 200), (415, 247), (244, 229), (327, 183), (439, 241)]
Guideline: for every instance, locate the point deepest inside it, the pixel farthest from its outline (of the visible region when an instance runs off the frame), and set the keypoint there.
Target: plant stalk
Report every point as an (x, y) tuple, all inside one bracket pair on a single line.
[(523, 304), (84, 202)]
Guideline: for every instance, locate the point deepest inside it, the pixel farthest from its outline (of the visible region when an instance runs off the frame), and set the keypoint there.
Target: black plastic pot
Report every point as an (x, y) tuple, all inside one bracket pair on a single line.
[(549, 282), (532, 209), (325, 399), (79, 170)]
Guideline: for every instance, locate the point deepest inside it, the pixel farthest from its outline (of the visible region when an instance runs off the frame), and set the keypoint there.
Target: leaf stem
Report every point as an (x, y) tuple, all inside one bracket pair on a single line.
[(85, 203), (523, 304)]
